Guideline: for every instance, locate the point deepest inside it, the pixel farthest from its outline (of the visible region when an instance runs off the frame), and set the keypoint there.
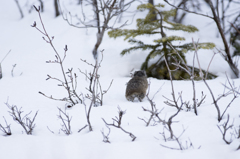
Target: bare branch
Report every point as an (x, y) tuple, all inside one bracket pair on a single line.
[(109, 10), (71, 89), (225, 127), (82, 128), (50, 130), (188, 144), (13, 69), (26, 122), (96, 93), (173, 92), (5, 56), (118, 120), (6, 130), (188, 10), (106, 137), (19, 8), (66, 121), (215, 101), (154, 111), (235, 28), (221, 28), (169, 123)]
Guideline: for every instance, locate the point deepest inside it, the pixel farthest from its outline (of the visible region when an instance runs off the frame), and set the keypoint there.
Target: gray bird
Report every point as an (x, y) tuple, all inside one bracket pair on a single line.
[(137, 86)]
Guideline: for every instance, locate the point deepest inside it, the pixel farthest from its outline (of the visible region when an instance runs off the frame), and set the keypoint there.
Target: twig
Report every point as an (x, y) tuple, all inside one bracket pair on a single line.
[(179, 142), (19, 8), (82, 128), (118, 120), (108, 10), (87, 112), (26, 123), (13, 69), (235, 28), (188, 10), (71, 90), (191, 74), (66, 126), (6, 130), (66, 122), (95, 89), (129, 133), (169, 123), (225, 129), (215, 101), (216, 18), (50, 130), (154, 111), (173, 92), (106, 137), (5, 56)]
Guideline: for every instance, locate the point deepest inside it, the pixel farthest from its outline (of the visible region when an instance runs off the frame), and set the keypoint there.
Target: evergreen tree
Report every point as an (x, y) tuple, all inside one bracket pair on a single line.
[(235, 41), (162, 47)]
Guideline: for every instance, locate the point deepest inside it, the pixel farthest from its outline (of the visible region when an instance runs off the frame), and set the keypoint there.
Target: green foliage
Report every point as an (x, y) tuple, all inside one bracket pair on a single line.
[(162, 47)]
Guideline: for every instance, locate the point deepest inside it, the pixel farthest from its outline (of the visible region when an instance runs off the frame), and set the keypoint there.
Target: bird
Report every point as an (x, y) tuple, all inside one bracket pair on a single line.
[(137, 86)]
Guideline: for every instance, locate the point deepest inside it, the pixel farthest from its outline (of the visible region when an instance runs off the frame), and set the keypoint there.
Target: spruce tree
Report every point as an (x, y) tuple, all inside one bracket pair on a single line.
[(161, 47), (235, 41)]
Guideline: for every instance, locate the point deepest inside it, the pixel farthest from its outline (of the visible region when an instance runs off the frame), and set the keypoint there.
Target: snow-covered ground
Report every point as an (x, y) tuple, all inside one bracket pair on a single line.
[(30, 53)]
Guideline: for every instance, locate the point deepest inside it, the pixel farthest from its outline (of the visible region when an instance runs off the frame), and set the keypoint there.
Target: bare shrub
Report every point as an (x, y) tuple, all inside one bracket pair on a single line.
[(178, 101), (95, 89), (106, 136), (66, 122), (1, 74), (232, 90), (155, 114), (229, 132), (182, 145), (87, 112), (104, 12), (169, 123), (24, 120), (95, 92), (153, 111), (69, 82), (117, 123), (224, 128), (6, 130), (219, 20)]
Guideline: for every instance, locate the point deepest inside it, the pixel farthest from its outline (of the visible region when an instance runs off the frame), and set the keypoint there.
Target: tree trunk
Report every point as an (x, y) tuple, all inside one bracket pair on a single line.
[(151, 1), (57, 13), (153, 12), (100, 32), (99, 41)]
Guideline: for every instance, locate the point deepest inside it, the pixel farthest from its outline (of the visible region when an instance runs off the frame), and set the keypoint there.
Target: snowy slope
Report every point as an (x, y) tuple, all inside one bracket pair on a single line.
[(30, 53)]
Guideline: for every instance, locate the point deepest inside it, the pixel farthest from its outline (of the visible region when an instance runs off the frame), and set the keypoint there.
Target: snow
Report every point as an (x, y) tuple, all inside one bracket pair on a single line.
[(30, 53)]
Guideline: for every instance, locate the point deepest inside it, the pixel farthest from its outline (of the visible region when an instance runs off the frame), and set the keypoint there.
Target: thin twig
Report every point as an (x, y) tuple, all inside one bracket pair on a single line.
[(6, 130), (66, 122), (5, 56), (26, 123), (225, 129), (82, 128)]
